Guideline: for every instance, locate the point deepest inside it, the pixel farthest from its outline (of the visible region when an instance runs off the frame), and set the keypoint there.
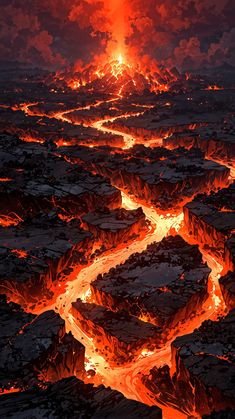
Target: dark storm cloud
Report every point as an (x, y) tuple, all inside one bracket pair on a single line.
[(186, 33), (50, 32)]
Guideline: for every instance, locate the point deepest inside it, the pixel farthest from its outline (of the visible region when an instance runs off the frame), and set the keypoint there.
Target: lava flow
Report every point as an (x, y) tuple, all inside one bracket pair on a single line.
[(127, 379), (119, 77), (113, 243), (117, 209)]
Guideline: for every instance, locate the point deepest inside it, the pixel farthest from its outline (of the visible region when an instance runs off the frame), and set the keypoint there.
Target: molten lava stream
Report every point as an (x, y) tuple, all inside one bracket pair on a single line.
[(62, 115), (127, 379), (128, 139)]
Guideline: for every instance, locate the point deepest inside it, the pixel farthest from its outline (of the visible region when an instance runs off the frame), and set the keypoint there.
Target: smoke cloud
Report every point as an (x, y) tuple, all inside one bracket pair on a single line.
[(55, 33)]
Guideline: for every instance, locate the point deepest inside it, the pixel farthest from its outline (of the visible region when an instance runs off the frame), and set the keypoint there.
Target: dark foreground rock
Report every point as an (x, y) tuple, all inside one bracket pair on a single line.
[(35, 349), (72, 399), (165, 284), (203, 370), (211, 221), (119, 337), (34, 255)]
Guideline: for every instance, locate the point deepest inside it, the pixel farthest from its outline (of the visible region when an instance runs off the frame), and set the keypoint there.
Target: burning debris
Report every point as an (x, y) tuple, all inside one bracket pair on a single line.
[(121, 78)]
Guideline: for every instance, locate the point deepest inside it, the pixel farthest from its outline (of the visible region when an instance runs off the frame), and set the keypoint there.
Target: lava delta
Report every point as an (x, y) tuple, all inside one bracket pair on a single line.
[(117, 242)]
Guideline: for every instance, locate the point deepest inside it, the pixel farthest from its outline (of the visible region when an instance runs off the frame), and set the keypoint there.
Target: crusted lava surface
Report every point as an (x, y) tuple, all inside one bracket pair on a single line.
[(35, 349), (159, 177), (114, 227), (34, 254), (217, 141), (96, 168), (71, 398), (119, 336), (203, 371), (211, 221), (42, 180), (175, 113), (166, 284)]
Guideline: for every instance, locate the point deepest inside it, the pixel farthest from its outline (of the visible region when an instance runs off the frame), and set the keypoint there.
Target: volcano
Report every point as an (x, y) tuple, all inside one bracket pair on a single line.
[(117, 242), (121, 78)]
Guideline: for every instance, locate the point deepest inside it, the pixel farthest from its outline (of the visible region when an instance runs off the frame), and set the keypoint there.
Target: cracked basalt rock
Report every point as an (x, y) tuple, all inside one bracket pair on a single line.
[(71, 398), (34, 255), (202, 375), (104, 111), (35, 349), (119, 337), (211, 222), (165, 284), (227, 285), (51, 129), (116, 227), (183, 111), (44, 182), (163, 178), (13, 151), (217, 141)]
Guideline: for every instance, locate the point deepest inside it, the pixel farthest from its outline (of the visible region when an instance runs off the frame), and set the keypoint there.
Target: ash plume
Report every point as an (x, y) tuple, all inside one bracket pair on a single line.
[(55, 33)]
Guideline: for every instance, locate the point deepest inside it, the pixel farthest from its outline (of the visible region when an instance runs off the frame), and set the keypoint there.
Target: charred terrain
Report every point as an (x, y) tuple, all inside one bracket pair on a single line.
[(117, 243)]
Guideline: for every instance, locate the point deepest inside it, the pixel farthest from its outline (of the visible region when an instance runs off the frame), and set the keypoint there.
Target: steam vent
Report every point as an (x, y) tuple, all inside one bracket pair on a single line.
[(117, 209)]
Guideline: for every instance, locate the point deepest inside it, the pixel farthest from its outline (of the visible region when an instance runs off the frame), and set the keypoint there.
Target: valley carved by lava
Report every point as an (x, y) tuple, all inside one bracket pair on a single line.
[(117, 232)]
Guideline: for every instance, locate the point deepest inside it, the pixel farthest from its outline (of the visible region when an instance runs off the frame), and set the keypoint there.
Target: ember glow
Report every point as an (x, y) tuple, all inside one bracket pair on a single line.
[(117, 209), (128, 379), (121, 76)]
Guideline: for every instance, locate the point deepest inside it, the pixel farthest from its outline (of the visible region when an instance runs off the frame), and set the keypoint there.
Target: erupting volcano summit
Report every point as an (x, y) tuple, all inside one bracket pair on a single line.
[(117, 210)]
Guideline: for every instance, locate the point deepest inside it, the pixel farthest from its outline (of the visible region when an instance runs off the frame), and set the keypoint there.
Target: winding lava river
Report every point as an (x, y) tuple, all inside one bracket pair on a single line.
[(127, 379)]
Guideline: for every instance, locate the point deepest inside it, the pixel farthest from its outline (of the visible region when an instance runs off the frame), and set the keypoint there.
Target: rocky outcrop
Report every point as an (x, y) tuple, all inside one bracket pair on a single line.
[(211, 222), (35, 350), (119, 337), (165, 284), (71, 398), (34, 255), (203, 371)]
